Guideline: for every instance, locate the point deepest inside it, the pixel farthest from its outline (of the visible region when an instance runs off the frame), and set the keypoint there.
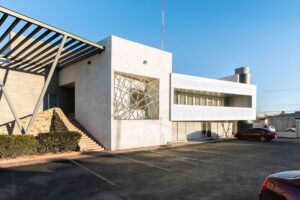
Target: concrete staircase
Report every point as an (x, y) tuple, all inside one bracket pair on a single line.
[(86, 142)]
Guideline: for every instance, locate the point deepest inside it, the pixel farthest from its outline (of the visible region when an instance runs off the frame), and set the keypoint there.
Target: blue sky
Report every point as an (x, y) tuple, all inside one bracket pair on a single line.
[(207, 37)]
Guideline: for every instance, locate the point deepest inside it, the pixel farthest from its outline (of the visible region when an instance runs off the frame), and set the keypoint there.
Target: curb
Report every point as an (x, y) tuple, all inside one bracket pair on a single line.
[(40, 159)]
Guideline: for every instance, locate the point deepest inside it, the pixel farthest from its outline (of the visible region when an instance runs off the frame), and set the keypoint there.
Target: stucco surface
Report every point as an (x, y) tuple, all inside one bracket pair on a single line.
[(23, 90), (134, 58)]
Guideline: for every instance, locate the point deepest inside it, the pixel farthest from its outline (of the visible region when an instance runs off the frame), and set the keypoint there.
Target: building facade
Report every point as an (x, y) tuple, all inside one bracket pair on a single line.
[(126, 96)]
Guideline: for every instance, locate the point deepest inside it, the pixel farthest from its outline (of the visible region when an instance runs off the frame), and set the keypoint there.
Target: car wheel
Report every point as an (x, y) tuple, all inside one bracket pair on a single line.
[(262, 139)]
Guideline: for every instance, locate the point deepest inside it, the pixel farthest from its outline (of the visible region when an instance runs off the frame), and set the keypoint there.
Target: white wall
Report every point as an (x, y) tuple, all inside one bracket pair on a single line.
[(128, 57), (210, 113), (92, 93)]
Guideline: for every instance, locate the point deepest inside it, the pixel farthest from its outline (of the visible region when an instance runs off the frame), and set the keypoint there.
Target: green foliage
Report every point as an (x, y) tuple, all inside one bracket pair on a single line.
[(12, 146), (58, 142)]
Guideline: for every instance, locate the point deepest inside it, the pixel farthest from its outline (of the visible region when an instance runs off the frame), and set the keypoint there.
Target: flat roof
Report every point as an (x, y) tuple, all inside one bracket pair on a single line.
[(31, 45)]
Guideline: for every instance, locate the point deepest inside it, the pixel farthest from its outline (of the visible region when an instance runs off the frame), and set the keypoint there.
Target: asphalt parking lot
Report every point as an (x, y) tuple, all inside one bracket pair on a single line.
[(224, 170)]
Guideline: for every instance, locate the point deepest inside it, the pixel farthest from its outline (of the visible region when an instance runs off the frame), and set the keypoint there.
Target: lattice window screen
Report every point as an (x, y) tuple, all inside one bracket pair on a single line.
[(135, 97)]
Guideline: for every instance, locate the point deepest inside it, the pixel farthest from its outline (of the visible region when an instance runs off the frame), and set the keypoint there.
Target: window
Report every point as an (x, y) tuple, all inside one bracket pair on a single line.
[(221, 102), (182, 99), (214, 102), (189, 100), (202, 101), (209, 102), (197, 101), (176, 98)]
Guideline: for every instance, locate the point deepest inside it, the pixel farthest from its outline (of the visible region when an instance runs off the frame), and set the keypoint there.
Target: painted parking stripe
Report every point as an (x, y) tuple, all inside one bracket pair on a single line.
[(179, 156), (143, 163), (240, 145), (92, 172), (202, 151)]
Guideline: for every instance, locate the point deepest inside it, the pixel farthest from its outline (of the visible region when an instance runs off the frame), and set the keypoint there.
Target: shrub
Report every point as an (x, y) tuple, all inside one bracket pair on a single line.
[(12, 146), (58, 142)]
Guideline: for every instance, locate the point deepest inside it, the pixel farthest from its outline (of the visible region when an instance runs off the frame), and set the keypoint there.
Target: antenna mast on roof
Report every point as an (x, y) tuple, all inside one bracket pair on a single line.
[(162, 23)]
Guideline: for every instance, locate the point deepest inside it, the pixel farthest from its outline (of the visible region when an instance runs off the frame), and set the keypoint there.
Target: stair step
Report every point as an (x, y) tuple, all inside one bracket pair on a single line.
[(89, 143)]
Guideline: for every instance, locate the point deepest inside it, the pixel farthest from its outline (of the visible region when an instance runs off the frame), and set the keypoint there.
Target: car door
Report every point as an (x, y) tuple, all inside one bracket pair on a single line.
[(245, 134)]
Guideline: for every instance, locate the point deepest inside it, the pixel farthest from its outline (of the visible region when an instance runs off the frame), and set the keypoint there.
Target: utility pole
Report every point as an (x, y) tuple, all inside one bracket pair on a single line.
[(162, 23)]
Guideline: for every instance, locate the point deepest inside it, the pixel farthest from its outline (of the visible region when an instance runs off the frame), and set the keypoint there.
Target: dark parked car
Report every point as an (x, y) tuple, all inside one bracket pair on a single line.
[(281, 186), (263, 134)]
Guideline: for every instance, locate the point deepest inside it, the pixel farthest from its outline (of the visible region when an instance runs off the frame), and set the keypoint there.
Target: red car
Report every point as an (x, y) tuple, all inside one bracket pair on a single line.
[(263, 134), (281, 186)]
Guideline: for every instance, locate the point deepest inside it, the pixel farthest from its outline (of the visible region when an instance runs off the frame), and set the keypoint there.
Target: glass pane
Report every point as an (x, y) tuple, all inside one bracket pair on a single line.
[(221, 102), (182, 99), (209, 102), (197, 100), (175, 98), (190, 100), (203, 101), (214, 102)]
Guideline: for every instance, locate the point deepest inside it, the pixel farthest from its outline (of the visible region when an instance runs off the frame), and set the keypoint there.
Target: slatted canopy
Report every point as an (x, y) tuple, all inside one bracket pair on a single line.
[(31, 46)]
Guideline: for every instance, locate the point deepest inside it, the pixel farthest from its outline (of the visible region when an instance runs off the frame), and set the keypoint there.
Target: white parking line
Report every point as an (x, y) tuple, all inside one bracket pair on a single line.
[(241, 144), (143, 163), (202, 151), (92, 172), (179, 156)]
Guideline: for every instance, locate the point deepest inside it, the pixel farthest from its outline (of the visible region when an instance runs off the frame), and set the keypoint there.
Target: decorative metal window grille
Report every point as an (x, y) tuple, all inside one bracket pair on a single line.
[(135, 97)]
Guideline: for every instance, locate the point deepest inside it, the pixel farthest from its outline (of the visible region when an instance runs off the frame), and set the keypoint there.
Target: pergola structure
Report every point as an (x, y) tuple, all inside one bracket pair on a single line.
[(30, 46)]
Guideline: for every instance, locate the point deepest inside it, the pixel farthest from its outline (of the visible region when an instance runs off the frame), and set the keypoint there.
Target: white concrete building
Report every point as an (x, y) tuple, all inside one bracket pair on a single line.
[(126, 96)]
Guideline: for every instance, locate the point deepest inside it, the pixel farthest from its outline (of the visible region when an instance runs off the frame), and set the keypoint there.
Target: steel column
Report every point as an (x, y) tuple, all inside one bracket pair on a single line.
[(41, 97), (10, 104)]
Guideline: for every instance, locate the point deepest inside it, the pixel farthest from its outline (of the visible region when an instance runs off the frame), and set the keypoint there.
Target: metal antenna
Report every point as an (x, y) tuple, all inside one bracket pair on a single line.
[(162, 23)]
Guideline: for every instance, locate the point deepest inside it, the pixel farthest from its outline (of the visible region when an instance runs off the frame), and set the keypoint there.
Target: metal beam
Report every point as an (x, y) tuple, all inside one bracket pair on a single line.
[(48, 79), (78, 59), (9, 29), (79, 55), (24, 28), (18, 70), (41, 62), (49, 56), (42, 36), (3, 18), (35, 31), (38, 23), (31, 54), (10, 104)]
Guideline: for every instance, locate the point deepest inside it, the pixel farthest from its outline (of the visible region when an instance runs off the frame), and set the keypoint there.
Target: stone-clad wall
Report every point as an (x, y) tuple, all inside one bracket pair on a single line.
[(50, 120)]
